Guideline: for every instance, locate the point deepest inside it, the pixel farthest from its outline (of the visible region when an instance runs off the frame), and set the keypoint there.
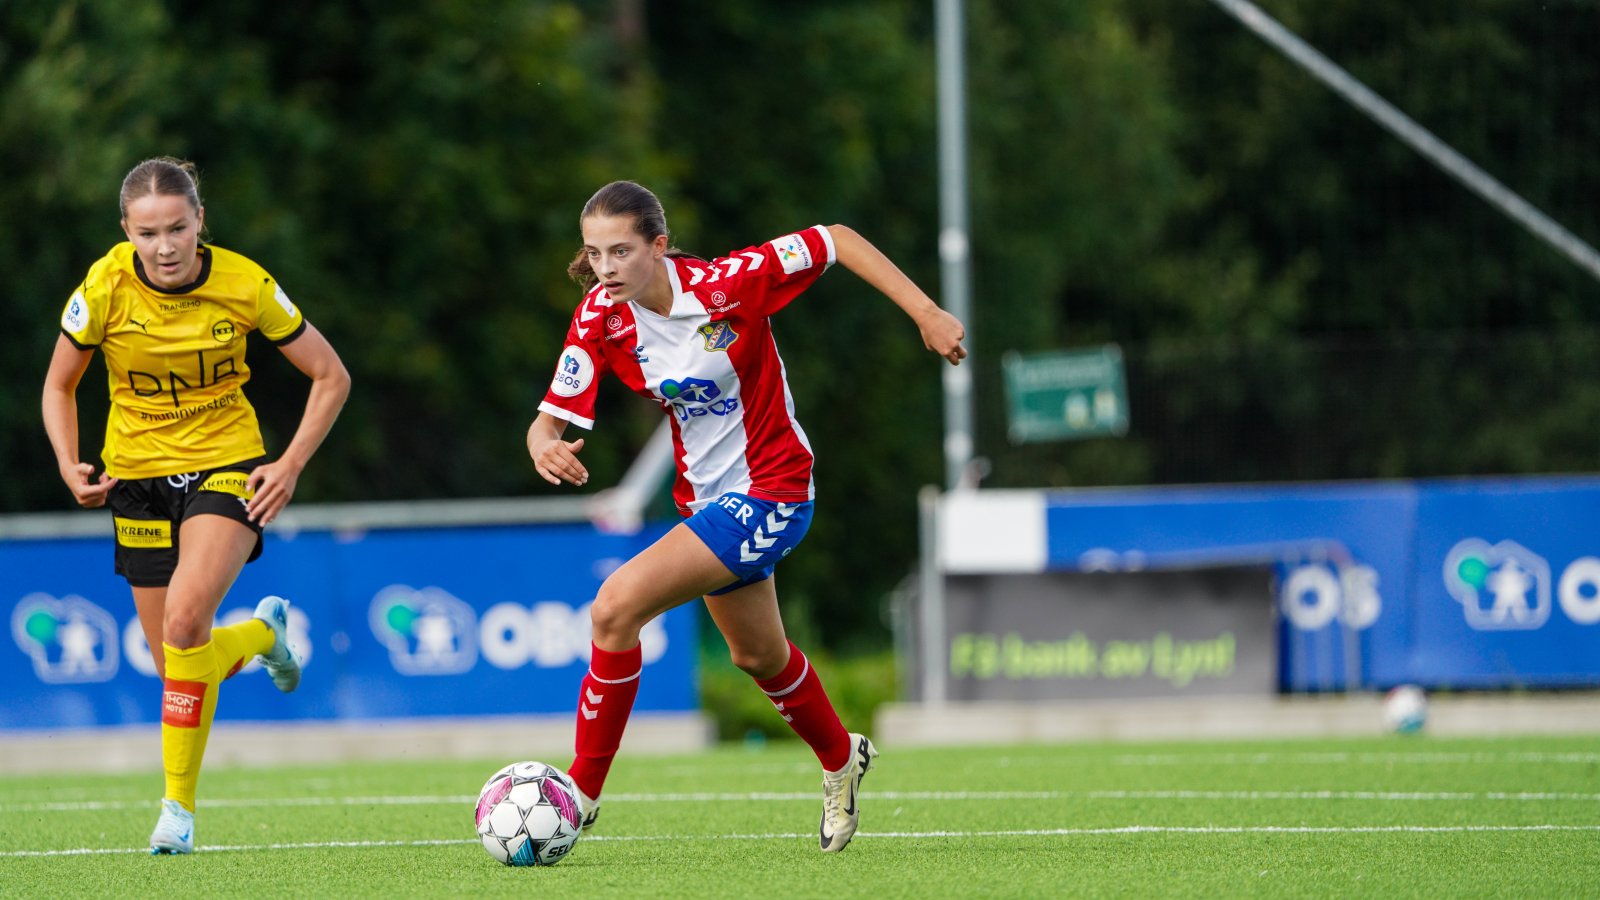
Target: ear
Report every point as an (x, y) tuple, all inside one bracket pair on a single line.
[(124, 223), (658, 246)]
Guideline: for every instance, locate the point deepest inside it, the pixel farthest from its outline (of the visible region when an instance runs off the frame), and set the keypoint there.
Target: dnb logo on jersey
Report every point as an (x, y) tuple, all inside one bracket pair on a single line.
[(71, 641), (574, 372), (427, 631), (1501, 587)]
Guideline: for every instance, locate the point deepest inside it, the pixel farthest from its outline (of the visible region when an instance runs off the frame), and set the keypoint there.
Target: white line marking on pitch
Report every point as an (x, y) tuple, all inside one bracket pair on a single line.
[(708, 797), (1160, 759), (1031, 832)]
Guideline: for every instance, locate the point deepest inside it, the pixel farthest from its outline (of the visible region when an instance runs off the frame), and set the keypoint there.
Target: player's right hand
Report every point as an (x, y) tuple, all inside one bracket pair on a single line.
[(89, 493), (557, 461)]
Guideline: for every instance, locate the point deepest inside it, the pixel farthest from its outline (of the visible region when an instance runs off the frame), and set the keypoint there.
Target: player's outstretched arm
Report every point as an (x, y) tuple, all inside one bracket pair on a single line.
[(941, 332), (556, 460), (273, 484)]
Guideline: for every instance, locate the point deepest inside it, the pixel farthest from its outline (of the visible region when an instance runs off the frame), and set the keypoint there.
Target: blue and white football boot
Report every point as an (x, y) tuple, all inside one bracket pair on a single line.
[(174, 832), (281, 663), (840, 792)]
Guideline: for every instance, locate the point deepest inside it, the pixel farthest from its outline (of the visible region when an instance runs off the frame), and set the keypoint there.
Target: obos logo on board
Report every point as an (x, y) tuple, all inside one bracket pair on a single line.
[(427, 631), (1506, 586), (550, 635), (70, 640), (1314, 594), (1500, 587)]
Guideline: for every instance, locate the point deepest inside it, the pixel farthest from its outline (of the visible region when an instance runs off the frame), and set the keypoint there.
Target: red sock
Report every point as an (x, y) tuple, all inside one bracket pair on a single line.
[(604, 703), (798, 694)]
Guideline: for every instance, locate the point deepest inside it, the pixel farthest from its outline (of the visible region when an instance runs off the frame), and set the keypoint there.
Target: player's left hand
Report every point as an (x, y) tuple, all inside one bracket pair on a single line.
[(272, 487), (942, 333)]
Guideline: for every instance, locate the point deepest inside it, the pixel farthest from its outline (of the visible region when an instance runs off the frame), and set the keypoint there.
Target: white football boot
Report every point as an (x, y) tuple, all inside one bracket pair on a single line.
[(174, 832), (840, 791), (281, 663), (588, 810)]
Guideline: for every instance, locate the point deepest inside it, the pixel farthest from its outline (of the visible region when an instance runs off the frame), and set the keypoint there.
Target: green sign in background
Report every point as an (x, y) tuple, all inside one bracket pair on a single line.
[(1067, 395)]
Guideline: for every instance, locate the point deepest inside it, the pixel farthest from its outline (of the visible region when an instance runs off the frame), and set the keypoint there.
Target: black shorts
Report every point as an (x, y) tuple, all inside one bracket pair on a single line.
[(148, 513)]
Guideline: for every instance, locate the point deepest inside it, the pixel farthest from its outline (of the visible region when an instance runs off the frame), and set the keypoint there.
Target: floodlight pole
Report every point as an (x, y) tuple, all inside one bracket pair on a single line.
[(954, 262), (1415, 136)]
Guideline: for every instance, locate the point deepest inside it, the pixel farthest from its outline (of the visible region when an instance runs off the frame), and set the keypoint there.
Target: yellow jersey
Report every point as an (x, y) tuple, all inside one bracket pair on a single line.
[(175, 358)]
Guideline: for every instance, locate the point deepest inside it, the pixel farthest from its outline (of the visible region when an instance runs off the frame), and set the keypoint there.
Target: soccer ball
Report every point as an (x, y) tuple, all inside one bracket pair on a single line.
[(1405, 709), (528, 814)]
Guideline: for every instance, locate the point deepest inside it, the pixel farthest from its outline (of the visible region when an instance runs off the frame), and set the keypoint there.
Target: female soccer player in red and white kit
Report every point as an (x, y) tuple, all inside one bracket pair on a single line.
[(696, 337)]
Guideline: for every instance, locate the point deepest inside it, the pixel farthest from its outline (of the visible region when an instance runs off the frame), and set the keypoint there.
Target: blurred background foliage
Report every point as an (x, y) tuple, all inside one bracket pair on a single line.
[(1298, 295)]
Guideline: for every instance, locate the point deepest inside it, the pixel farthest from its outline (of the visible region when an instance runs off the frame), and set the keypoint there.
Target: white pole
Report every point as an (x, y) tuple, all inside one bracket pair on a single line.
[(930, 597), (1419, 138), (954, 259)]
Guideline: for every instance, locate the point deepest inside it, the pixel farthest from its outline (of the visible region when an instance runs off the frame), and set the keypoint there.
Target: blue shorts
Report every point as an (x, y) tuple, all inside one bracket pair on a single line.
[(750, 536)]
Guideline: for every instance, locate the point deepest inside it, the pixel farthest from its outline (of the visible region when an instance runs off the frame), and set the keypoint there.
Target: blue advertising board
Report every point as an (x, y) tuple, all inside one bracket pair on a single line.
[(1466, 584), (445, 621)]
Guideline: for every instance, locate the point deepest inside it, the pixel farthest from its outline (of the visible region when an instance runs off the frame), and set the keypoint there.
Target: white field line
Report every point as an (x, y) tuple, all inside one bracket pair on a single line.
[(880, 835), (1317, 759), (710, 797)]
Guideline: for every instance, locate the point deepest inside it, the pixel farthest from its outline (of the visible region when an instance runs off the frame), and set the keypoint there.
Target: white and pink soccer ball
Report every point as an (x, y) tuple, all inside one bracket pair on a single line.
[(528, 815)]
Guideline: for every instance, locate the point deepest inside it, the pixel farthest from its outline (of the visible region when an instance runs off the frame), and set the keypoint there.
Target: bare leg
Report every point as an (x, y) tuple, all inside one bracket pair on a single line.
[(750, 622)]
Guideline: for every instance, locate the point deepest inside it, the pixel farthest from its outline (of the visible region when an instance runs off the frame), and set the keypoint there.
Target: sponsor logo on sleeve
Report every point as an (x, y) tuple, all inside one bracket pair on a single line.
[(574, 373), (793, 254), (283, 300), (76, 315)]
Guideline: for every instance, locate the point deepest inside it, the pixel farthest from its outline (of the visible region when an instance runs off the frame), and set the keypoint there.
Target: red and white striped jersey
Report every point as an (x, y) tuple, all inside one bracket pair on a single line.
[(712, 365)]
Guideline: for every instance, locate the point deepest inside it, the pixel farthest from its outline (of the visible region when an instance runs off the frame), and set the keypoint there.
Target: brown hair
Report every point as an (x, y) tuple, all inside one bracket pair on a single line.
[(621, 198), (161, 176)]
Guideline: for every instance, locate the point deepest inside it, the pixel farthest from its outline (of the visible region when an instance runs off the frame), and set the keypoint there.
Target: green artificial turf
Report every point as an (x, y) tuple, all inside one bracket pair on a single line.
[(1382, 817)]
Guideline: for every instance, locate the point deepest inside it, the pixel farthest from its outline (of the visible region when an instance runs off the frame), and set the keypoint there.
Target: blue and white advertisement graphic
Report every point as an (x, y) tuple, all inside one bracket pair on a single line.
[(1466, 584), (390, 623)]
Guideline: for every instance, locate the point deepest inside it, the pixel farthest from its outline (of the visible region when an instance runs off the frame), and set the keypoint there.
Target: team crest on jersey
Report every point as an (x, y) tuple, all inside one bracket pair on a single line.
[(718, 335)]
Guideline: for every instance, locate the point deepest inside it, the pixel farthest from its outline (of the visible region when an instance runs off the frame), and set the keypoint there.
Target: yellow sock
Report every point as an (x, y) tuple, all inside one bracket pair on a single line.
[(187, 705), (238, 644)]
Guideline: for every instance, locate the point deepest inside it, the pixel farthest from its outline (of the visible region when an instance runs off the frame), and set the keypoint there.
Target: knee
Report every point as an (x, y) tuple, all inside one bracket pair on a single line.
[(760, 662), (185, 628), (613, 621)]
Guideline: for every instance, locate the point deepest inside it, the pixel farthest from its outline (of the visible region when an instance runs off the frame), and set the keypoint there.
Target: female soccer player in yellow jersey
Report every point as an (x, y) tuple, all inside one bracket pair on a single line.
[(186, 473)]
